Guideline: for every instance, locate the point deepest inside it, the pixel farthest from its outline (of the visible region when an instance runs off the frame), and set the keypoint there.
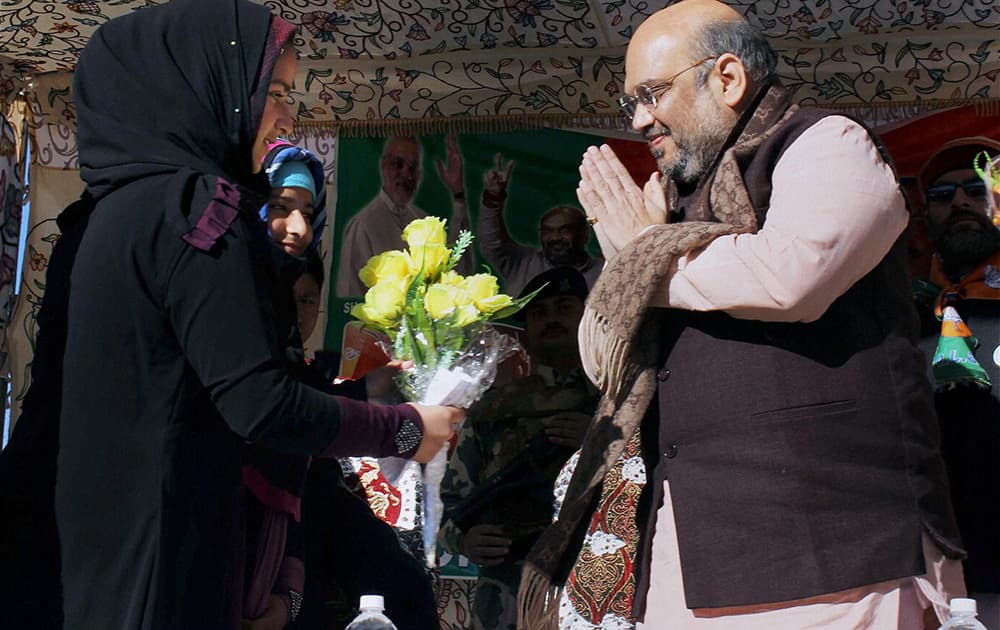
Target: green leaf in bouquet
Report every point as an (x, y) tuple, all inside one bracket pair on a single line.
[(416, 316), (404, 346), (415, 313), (447, 358), (462, 244), (413, 291), (518, 304), (449, 335)]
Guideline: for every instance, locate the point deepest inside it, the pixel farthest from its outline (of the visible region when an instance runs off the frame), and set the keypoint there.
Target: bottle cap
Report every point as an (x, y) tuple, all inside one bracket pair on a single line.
[(963, 604), (377, 602)]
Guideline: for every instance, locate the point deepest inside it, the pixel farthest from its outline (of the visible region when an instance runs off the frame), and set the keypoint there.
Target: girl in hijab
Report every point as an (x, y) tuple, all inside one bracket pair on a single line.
[(315, 528), (172, 361), (273, 544)]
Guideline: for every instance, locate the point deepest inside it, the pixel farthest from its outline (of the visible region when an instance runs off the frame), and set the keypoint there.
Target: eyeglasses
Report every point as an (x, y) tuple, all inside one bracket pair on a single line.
[(646, 95), (945, 191)]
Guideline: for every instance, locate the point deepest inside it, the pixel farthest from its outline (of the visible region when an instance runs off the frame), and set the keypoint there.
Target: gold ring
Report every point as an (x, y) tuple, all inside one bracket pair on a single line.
[(591, 220)]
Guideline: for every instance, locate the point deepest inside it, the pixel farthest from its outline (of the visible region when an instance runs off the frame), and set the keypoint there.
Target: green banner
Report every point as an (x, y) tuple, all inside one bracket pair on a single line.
[(544, 175)]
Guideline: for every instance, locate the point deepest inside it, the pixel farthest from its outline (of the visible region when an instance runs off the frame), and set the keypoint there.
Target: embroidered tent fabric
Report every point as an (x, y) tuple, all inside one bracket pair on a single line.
[(385, 66), (11, 197)]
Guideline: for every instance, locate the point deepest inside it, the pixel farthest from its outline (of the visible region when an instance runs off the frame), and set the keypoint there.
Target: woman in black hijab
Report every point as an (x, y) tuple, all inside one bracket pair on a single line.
[(172, 361)]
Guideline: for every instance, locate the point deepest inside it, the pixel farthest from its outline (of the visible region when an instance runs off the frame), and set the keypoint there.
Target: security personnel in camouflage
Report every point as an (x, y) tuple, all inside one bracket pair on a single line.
[(497, 492)]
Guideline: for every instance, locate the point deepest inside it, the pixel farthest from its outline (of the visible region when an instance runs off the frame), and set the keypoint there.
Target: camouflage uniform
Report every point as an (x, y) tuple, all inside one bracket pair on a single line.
[(502, 473)]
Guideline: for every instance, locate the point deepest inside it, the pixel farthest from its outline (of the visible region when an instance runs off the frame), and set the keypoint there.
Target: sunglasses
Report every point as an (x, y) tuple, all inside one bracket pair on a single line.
[(945, 192), (647, 95)]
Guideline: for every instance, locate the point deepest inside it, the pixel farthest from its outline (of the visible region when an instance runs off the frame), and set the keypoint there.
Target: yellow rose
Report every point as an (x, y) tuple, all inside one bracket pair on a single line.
[(440, 300), (426, 231), (467, 314), (392, 265), (383, 305), (494, 303), (481, 286), (452, 277), (431, 259)]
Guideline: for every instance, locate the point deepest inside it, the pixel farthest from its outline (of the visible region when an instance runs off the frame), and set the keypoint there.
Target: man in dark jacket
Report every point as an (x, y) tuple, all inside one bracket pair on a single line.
[(765, 342)]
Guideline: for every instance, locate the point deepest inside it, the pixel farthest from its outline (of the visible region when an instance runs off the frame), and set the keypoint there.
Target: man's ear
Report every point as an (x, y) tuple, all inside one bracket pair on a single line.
[(734, 80)]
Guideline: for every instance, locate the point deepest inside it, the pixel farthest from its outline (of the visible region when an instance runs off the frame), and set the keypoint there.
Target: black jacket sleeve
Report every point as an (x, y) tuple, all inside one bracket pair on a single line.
[(219, 309)]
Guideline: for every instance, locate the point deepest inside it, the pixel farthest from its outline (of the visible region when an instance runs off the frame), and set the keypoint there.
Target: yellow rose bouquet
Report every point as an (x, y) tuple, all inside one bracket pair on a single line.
[(438, 319)]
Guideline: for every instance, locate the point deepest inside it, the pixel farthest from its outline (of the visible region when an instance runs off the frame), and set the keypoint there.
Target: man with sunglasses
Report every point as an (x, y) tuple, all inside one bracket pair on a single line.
[(962, 343), (753, 324), (955, 197), (378, 227)]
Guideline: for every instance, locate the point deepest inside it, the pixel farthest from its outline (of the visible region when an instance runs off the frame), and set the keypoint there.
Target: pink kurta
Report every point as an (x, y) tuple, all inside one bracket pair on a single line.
[(823, 233)]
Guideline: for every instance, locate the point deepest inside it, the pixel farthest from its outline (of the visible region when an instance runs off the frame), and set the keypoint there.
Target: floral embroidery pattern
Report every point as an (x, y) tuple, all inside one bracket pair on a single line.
[(400, 60), (21, 332), (11, 200), (38, 260), (598, 594)]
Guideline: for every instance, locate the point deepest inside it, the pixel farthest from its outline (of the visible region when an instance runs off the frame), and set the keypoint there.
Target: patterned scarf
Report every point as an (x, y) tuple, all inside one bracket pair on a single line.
[(600, 589), (954, 362), (620, 348)]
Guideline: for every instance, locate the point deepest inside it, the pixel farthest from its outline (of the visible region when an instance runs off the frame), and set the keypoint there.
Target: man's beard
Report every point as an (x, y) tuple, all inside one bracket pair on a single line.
[(967, 248), (694, 152)]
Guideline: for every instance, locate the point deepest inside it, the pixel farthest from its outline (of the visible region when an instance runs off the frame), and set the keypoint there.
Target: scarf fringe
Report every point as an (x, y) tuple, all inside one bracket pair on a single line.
[(538, 601), (605, 357)]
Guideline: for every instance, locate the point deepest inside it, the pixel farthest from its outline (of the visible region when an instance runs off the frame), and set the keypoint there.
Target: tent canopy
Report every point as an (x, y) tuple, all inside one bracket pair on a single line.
[(376, 66)]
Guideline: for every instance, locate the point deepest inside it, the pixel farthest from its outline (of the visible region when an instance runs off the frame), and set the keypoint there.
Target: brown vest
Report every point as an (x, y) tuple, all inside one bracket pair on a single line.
[(803, 458)]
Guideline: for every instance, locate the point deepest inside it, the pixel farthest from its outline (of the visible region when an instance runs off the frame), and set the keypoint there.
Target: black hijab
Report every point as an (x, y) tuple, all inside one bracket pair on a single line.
[(179, 86), (157, 92)]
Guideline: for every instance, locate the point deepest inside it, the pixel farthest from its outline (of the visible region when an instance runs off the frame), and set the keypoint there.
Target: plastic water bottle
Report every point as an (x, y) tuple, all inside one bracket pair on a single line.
[(372, 616), (962, 615)]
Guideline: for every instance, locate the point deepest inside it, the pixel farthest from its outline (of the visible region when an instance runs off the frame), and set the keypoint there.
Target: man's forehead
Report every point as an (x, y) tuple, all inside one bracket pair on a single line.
[(561, 217), (956, 176), (554, 300), (558, 219), (403, 149), (653, 55)]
